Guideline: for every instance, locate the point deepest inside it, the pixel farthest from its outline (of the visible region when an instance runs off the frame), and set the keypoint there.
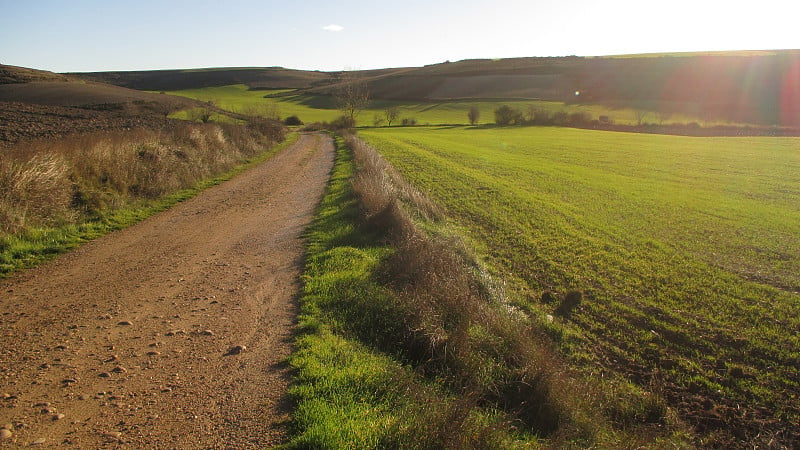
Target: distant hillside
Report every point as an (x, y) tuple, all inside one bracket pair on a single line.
[(171, 80), (760, 87), (23, 85)]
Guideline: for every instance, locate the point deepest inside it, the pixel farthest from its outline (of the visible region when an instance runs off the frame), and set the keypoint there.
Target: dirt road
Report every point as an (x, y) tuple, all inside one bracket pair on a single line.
[(132, 339)]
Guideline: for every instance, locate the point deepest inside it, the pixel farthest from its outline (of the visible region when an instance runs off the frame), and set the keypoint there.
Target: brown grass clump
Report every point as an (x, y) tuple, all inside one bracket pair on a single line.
[(34, 190), (49, 182)]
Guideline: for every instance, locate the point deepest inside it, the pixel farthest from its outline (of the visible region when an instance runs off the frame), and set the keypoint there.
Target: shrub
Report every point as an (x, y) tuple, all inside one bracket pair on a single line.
[(580, 118), (292, 121), (570, 302), (506, 115), (409, 121), (541, 117), (342, 123)]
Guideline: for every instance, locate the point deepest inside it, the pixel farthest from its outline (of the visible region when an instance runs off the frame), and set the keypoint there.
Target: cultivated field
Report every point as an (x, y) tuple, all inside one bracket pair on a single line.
[(686, 250)]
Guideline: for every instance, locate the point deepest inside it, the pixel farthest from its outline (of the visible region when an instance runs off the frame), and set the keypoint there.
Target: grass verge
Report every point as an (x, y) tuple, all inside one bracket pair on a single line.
[(404, 344)]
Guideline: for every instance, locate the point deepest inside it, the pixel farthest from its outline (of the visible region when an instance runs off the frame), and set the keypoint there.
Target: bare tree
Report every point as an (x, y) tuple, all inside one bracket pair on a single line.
[(473, 115), (351, 95), (392, 113)]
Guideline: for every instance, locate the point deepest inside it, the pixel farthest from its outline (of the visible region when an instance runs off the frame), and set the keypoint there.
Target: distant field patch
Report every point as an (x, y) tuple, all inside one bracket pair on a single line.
[(314, 108), (687, 251)]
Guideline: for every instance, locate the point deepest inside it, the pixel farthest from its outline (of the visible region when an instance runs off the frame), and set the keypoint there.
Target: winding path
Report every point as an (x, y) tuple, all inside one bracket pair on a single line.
[(132, 338)]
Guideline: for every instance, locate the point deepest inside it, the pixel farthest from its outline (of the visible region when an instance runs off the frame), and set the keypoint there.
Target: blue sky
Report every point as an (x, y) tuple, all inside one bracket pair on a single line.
[(84, 35)]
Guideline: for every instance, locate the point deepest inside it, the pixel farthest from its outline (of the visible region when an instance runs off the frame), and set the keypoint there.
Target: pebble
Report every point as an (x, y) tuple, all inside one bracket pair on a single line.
[(5, 433), (115, 435), (153, 353), (174, 332), (237, 349), (119, 369), (125, 322), (104, 375), (5, 396), (207, 333), (39, 441), (59, 416)]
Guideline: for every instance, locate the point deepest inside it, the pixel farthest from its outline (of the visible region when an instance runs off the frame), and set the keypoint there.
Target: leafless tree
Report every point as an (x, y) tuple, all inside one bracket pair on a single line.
[(473, 115), (351, 94), (392, 113)]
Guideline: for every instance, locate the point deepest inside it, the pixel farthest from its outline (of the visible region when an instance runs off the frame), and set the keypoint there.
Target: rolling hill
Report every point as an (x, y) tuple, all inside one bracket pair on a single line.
[(760, 87), (41, 104)]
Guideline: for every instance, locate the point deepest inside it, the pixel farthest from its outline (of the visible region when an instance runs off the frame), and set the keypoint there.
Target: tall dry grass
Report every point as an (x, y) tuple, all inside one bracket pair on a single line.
[(457, 326), (48, 183)]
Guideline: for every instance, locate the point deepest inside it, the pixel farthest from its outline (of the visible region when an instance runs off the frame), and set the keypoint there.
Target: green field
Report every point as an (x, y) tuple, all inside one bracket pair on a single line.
[(686, 249), (318, 108)]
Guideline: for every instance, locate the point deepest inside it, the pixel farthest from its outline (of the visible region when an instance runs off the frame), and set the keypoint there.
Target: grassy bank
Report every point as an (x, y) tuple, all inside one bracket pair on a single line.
[(405, 342), (57, 194), (684, 250)]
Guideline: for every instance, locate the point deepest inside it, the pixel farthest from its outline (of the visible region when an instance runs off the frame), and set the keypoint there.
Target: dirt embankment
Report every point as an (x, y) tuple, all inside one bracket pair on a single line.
[(171, 333)]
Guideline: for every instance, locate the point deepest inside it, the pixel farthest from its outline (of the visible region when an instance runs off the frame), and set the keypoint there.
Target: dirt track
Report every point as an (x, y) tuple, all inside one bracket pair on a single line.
[(128, 339)]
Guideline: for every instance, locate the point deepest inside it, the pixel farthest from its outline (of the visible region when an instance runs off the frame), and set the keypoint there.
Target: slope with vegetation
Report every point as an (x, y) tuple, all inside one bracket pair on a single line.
[(57, 193)]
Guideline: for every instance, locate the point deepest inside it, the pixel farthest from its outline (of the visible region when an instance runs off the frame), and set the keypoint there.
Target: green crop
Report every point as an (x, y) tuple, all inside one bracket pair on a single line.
[(687, 249)]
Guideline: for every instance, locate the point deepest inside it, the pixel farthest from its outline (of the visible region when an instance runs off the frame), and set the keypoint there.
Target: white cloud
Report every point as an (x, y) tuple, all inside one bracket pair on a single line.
[(333, 27)]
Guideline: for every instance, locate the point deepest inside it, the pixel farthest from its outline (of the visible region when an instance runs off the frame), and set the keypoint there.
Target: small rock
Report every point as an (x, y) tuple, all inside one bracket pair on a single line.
[(112, 358), (119, 369), (8, 427), (125, 322), (113, 435), (104, 375), (61, 347), (39, 441), (68, 381), (5, 434), (153, 353), (207, 333), (59, 416), (41, 405), (236, 350), (174, 332), (5, 396)]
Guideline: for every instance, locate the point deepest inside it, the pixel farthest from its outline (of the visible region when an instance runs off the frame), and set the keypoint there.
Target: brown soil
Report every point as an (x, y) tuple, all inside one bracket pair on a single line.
[(24, 121), (133, 337)]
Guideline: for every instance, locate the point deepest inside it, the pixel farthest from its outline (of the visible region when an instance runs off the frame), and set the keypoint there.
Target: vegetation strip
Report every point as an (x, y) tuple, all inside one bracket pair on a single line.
[(88, 208), (394, 322)]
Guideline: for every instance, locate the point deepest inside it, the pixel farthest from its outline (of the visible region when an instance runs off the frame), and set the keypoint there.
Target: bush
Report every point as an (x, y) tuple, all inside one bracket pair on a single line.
[(342, 123), (409, 121), (580, 118), (570, 302), (292, 121), (506, 115)]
